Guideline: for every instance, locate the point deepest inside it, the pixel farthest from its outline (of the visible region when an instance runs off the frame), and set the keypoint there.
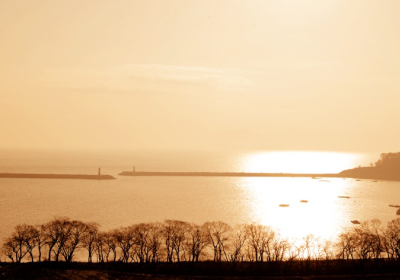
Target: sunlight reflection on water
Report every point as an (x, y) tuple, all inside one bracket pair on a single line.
[(322, 215)]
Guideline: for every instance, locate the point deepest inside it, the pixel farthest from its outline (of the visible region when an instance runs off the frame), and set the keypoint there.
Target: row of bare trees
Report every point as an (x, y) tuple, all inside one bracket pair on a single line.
[(174, 241), (59, 238)]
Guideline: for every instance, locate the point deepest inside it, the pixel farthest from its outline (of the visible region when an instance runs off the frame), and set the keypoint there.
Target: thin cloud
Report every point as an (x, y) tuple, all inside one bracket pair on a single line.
[(217, 78), (153, 78)]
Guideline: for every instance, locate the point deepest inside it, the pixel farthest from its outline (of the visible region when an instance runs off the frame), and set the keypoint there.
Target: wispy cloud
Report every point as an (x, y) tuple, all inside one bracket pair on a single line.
[(157, 78), (215, 78)]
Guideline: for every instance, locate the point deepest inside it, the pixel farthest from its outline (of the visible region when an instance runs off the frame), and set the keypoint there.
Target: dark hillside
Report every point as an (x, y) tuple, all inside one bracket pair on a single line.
[(386, 168)]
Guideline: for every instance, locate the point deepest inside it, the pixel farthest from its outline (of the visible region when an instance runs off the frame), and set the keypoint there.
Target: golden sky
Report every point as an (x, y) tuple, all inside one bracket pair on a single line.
[(188, 74)]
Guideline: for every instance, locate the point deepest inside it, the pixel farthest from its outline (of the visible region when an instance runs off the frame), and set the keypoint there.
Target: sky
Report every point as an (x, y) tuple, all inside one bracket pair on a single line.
[(232, 75)]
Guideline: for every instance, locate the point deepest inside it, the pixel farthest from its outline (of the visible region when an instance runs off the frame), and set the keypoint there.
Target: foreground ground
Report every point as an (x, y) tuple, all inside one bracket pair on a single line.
[(380, 269)]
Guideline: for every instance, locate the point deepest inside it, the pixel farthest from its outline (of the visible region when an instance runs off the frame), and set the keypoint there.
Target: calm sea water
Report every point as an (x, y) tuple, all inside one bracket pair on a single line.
[(130, 200)]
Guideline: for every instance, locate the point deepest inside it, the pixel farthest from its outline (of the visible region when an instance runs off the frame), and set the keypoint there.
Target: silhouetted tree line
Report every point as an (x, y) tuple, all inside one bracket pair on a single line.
[(177, 241), (387, 159)]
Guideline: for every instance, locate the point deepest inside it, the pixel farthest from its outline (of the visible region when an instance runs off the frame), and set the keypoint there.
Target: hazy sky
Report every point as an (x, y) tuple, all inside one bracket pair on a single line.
[(219, 74)]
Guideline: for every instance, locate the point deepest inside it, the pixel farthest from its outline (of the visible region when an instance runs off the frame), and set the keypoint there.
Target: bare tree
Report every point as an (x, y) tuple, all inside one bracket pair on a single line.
[(65, 231), (126, 239), (280, 248), (218, 235), (19, 244), (378, 236), (346, 245), (89, 238), (11, 248), (261, 240), (328, 249), (308, 247), (392, 239), (140, 247), (238, 239), (109, 239), (41, 238), (8, 249), (76, 232), (100, 248), (196, 241), (154, 241), (31, 240), (174, 236), (178, 239), (53, 232)]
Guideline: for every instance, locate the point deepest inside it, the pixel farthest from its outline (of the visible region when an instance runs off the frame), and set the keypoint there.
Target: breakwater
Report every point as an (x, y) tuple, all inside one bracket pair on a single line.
[(56, 176), (226, 174)]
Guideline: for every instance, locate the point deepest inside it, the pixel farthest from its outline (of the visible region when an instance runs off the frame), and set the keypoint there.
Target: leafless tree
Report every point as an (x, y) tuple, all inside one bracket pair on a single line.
[(111, 242), (31, 240), (218, 235), (174, 233), (40, 237), (154, 240), (19, 244), (392, 239), (346, 245), (100, 248), (280, 248), (328, 249), (77, 230), (89, 238), (378, 236), (8, 249), (141, 247), (237, 241), (168, 233), (261, 239), (64, 236), (196, 241), (308, 247), (53, 232), (126, 239), (12, 249)]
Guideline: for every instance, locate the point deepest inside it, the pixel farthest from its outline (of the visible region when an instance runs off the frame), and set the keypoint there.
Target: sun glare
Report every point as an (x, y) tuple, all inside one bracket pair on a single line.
[(311, 207), (300, 162)]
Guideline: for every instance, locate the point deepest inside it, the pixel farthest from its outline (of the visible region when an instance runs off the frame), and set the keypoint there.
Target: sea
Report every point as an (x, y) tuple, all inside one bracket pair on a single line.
[(234, 200)]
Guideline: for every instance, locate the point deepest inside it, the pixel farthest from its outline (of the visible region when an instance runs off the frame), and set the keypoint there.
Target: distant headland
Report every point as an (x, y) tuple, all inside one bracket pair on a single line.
[(386, 168)]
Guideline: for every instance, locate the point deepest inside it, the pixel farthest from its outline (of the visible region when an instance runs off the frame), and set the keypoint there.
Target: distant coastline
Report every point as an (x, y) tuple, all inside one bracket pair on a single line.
[(386, 168), (56, 176)]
